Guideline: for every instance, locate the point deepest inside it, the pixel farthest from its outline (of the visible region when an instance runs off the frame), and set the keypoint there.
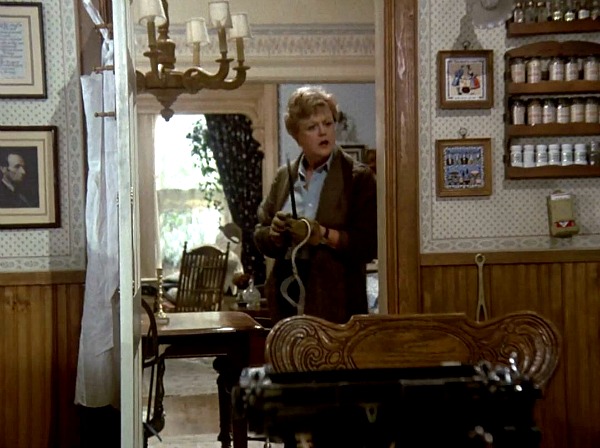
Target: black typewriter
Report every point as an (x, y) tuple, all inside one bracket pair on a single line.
[(443, 406)]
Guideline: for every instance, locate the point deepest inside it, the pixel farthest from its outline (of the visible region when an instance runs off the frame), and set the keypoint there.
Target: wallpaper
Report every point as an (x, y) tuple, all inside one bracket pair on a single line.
[(514, 217), (61, 248)]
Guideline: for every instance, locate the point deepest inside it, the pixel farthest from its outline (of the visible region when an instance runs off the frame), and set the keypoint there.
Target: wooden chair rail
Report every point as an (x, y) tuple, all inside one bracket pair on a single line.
[(306, 343)]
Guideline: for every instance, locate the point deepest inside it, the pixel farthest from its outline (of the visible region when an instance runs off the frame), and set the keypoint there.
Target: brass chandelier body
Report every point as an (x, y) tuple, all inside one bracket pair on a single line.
[(163, 80)]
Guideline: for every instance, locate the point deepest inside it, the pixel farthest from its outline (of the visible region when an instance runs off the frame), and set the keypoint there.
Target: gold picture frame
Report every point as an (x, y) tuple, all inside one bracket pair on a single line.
[(466, 79), (464, 167), (29, 189)]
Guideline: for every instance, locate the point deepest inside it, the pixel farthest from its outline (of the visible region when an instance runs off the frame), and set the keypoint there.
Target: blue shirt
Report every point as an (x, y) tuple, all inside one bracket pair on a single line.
[(307, 194)]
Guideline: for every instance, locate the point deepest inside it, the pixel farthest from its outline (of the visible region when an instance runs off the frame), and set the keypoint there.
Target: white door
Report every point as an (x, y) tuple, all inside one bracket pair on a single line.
[(130, 292)]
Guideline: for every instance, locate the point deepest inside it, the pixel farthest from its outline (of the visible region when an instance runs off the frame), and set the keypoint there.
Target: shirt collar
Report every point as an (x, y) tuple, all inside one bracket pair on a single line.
[(325, 167)]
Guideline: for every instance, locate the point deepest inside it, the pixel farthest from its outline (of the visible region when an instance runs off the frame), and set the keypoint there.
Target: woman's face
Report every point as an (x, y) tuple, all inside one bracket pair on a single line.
[(316, 136)]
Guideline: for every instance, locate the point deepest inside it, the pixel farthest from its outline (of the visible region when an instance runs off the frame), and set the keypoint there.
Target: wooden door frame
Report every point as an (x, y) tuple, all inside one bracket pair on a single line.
[(398, 133)]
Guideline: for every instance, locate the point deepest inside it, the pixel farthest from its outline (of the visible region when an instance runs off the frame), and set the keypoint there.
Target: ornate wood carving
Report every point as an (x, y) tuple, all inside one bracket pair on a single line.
[(306, 343)]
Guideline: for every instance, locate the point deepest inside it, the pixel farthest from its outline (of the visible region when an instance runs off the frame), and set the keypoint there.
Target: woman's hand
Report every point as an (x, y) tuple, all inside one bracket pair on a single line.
[(278, 227), (298, 230)]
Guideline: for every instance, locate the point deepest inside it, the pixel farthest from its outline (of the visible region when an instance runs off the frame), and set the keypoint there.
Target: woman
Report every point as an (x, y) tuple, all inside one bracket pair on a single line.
[(336, 196)]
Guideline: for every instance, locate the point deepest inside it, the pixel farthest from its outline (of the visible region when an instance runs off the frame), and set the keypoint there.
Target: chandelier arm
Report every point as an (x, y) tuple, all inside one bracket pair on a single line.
[(232, 84), (196, 78)]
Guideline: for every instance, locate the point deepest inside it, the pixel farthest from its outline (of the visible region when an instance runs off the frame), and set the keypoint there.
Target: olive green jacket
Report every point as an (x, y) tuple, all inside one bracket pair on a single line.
[(336, 283)]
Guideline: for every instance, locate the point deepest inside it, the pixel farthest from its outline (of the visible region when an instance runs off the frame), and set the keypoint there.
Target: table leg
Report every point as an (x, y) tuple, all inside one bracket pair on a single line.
[(228, 377)]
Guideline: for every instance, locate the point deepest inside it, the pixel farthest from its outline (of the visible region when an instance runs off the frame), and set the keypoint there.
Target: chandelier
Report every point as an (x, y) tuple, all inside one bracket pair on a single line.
[(163, 80)]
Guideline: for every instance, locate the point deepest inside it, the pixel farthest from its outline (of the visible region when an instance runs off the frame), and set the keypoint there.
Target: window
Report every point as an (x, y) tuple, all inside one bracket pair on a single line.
[(184, 213)]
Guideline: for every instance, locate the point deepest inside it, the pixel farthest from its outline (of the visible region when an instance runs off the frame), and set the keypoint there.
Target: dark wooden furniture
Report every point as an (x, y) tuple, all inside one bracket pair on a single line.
[(227, 335), (441, 379), (201, 279), (153, 362), (306, 343)]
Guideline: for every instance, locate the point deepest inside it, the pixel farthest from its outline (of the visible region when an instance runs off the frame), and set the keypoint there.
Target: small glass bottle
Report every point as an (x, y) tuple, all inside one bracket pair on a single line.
[(534, 112), (595, 10), (558, 10), (518, 13), (556, 69), (563, 113), (570, 12), (518, 112), (530, 12), (590, 68), (591, 110), (548, 111), (577, 112), (534, 70), (572, 69), (543, 11), (517, 70), (251, 295)]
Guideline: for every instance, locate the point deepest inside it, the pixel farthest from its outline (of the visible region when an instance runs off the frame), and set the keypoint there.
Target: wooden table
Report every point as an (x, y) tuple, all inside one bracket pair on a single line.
[(227, 335)]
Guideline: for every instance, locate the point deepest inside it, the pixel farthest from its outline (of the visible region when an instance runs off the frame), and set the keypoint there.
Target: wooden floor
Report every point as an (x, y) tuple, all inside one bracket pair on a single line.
[(191, 407)]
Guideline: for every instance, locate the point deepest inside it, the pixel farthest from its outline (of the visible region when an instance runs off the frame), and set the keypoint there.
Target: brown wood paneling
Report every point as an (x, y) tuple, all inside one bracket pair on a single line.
[(566, 293), (38, 359), (400, 175)]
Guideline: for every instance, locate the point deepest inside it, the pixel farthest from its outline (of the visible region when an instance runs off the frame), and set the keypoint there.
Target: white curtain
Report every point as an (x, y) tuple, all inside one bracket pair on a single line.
[(98, 364)]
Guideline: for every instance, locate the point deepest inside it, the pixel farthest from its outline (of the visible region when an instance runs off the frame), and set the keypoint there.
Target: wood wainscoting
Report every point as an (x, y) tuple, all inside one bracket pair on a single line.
[(562, 286), (40, 322)]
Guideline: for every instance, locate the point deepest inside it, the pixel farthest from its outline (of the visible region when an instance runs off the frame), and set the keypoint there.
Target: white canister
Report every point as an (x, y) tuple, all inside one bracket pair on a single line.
[(554, 154), (528, 156), (541, 155), (566, 154), (534, 70), (580, 154), (590, 69), (516, 155)]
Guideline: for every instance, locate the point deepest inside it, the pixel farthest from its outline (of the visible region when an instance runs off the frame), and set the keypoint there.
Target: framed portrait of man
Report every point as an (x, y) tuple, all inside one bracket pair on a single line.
[(28, 177)]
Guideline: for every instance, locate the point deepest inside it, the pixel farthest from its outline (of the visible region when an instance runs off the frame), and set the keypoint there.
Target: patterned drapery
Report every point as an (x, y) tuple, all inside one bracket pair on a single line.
[(239, 162)]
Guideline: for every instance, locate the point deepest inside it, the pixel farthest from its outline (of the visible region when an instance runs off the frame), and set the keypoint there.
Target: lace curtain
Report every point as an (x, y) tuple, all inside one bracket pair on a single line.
[(239, 162)]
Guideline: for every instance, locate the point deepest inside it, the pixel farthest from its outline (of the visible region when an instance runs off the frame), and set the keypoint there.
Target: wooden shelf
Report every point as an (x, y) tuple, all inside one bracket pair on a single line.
[(553, 87), (560, 27), (542, 172), (552, 129)]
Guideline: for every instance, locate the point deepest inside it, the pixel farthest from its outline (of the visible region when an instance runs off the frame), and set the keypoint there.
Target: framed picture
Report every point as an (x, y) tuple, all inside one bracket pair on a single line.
[(355, 151), (369, 158), (464, 167), (28, 177), (22, 64), (466, 79)]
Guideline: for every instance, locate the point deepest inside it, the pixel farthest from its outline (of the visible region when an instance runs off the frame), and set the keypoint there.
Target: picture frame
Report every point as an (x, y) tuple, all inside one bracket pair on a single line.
[(29, 188), (369, 158), (23, 71), (464, 167), (354, 151), (466, 79)]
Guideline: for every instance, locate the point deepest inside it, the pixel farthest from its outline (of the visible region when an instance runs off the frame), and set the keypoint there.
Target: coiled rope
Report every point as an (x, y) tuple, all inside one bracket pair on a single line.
[(296, 277)]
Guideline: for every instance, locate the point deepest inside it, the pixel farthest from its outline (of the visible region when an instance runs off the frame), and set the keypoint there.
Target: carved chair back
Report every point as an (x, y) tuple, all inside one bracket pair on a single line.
[(201, 279), (306, 343)]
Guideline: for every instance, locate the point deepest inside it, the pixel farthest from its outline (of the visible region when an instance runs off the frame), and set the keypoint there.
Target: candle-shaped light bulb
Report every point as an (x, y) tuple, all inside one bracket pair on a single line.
[(219, 15)]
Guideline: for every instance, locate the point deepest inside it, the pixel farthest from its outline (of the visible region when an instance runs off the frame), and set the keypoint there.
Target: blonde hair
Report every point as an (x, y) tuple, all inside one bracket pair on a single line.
[(304, 102)]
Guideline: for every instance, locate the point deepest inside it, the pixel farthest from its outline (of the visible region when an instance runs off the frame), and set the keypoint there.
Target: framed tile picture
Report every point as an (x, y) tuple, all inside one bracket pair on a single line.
[(463, 167), (466, 79)]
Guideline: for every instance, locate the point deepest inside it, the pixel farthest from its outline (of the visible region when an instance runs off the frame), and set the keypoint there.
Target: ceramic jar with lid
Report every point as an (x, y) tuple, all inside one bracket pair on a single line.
[(534, 112), (563, 114), (580, 154), (556, 69), (590, 68), (577, 111), (516, 155), (548, 111), (517, 70), (554, 154)]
